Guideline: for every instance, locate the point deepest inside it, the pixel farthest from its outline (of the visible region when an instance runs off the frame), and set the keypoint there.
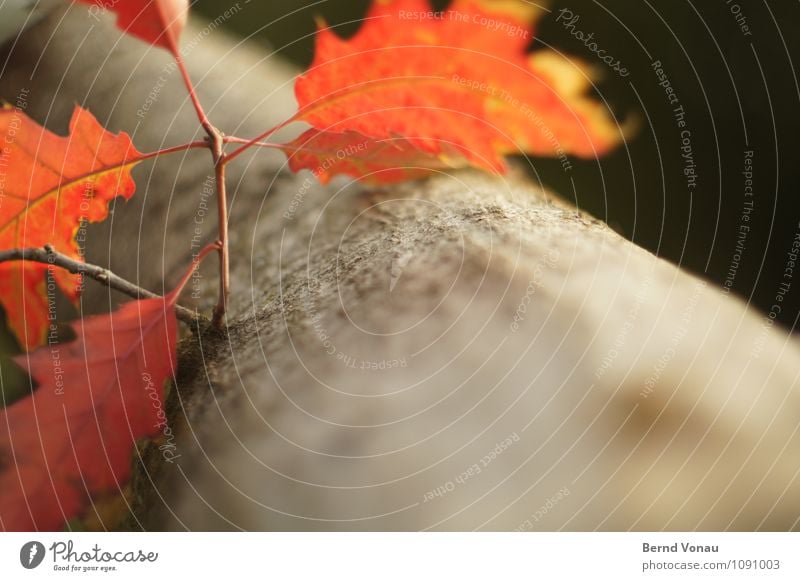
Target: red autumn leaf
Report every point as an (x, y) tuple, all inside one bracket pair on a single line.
[(49, 185), (158, 22), (329, 153), (462, 79), (96, 396)]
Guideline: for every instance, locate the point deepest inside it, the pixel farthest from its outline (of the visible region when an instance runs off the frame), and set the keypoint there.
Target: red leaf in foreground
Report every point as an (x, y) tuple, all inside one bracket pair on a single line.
[(329, 153), (50, 185), (159, 22), (97, 395), (463, 79)]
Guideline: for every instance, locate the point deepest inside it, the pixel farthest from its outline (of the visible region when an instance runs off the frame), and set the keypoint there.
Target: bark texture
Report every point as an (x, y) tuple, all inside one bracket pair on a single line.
[(463, 352)]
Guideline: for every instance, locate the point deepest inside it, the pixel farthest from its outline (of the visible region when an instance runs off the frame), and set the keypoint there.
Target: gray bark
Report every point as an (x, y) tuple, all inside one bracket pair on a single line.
[(461, 352)]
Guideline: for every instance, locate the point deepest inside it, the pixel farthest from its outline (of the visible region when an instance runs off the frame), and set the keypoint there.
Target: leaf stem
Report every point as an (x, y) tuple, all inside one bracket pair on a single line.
[(286, 147), (247, 144), (187, 80), (50, 256), (196, 261), (175, 149)]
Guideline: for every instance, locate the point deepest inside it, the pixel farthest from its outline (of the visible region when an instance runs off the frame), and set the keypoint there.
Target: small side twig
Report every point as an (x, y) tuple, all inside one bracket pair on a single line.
[(49, 255)]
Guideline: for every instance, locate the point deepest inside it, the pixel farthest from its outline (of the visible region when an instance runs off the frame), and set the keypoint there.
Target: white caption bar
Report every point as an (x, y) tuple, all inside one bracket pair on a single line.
[(402, 556)]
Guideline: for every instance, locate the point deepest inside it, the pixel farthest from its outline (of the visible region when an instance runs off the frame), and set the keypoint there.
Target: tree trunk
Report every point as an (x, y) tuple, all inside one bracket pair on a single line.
[(461, 352)]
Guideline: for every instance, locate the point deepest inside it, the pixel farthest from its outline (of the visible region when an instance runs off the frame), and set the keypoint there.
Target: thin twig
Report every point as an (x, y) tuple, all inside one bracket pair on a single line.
[(215, 143), (49, 255), (222, 212)]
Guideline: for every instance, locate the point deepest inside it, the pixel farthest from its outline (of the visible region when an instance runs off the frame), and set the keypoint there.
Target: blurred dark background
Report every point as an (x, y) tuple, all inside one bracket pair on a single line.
[(739, 90), (740, 93)]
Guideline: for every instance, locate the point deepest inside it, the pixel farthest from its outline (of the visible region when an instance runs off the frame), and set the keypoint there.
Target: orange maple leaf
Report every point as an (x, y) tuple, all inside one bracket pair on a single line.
[(158, 22), (50, 185), (456, 81), (96, 396)]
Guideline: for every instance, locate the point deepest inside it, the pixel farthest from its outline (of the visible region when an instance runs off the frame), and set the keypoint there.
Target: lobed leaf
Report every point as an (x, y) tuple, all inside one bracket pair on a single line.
[(72, 439), (460, 82), (50, 185)]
